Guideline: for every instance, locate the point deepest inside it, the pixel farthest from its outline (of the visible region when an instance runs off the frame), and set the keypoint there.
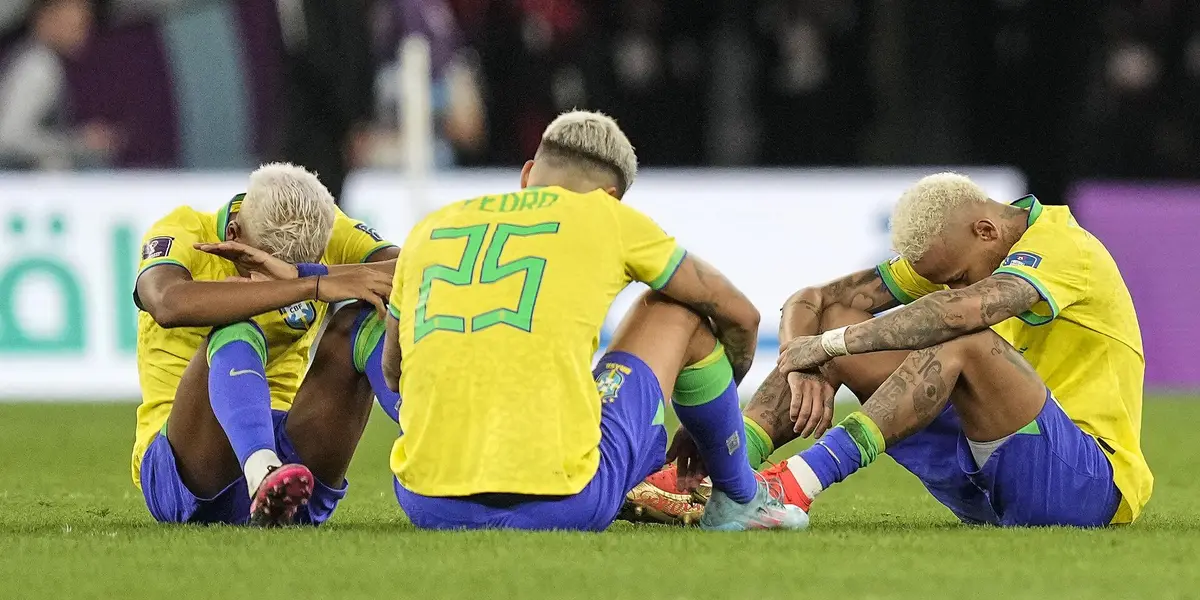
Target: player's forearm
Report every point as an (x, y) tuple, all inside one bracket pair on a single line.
[(929, 321), (384, 266), (945, 315), (216, 303)]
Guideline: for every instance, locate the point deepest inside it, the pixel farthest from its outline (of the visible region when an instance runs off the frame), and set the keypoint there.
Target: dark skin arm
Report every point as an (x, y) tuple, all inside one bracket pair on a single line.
[(170, 295), (734, 318), (391, 354), (252, 259), (931, 320)]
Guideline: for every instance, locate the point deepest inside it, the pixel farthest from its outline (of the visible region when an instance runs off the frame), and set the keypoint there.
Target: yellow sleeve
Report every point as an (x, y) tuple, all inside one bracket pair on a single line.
[(353, 242), (903, 281), (651, 256), (419, 232), (1052, 262), (397, 287), (169, 242)]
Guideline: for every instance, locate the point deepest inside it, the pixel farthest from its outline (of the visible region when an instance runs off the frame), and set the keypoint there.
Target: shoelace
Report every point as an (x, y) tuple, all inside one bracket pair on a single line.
[(774, 488)]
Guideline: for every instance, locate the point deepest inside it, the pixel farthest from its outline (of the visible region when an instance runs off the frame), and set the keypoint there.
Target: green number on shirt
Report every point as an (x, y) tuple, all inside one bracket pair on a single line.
[(492, 271)]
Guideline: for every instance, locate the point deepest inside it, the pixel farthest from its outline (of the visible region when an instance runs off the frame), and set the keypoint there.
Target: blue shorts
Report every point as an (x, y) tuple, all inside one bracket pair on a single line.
[(170, 501), (633, 444), (1058, 475)]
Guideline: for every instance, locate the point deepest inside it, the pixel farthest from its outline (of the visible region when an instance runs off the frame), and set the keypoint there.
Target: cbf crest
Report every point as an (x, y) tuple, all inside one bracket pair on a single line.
[(299, 316), (610, 381)]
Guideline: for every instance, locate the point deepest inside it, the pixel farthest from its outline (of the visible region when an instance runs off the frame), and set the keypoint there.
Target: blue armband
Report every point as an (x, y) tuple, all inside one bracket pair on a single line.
[(311, 269)]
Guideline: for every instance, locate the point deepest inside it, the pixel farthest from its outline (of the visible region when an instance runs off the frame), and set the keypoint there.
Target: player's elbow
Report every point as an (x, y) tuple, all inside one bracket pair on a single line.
[(168, 309), (167, 316), (745, 314)]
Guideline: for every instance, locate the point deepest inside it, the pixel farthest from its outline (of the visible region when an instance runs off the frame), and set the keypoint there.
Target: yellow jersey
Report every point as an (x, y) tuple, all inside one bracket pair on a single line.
[(163, 354), (1082, 338), (500, 300)]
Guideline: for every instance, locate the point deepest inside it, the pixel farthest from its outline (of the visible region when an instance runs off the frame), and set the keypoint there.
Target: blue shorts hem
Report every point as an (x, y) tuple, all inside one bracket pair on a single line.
[(169, 500), (632, 446)]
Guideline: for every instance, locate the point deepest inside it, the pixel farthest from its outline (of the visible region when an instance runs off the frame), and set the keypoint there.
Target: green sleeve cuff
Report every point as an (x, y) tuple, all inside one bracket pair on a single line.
[(889, 280), (1031, 317), (160, 262), (394, 311), (669, 270)]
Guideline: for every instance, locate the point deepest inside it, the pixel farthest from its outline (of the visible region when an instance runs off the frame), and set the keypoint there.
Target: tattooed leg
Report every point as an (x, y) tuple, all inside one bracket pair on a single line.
[(994, 391), (862, 374)]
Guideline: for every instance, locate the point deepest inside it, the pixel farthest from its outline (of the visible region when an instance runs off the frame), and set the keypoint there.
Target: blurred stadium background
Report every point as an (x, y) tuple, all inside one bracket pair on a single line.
[(775, 134)]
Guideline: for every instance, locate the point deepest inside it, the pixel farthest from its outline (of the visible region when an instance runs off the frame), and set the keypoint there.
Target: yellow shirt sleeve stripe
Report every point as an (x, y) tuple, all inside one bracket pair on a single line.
[(889, 280), (394, 311), (1029, 316), (669, 270)]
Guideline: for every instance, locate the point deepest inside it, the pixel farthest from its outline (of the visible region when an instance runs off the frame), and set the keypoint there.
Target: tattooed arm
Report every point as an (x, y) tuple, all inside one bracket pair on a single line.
[(931, 320), (945, 315), (734, 319), (863, 290)]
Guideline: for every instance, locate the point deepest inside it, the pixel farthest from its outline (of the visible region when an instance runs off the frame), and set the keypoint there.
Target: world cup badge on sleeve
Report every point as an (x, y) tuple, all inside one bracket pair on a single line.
[(157, 247)]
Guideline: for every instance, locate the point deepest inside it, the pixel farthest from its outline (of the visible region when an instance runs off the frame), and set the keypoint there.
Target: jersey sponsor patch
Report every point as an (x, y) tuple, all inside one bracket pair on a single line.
[(157, 247), (1025, 259), (369, 231)]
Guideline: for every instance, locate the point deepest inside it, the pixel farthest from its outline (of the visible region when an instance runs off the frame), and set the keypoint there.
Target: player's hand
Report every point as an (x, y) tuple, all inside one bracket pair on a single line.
[(358, 283), (251, 259), (802, 354), (686, 455), (812, 403)]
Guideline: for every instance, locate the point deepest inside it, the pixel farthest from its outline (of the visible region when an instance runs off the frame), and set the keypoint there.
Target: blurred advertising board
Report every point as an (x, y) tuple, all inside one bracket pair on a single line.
[(1151, 231), (71, 246)]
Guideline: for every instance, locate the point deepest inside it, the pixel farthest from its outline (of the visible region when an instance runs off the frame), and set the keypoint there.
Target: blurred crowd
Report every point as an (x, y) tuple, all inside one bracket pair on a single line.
[(1061, 90)]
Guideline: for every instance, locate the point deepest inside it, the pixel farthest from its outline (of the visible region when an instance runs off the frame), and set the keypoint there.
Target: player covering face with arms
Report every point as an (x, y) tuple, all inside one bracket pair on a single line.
[(496, 312), (1010, 383), (221, 357)]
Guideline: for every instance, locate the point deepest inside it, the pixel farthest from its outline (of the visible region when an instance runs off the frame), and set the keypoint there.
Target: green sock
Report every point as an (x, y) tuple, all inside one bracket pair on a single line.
[(758, 444), (866, 435)]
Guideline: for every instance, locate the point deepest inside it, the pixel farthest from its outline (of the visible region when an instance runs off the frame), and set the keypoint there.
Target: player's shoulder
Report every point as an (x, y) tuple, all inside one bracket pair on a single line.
[(186, 218)]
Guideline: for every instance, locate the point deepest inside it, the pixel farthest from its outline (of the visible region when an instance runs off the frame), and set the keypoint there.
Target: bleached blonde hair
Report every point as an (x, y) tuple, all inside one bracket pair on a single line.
[(288, 212), (923, 209), (592, 137)]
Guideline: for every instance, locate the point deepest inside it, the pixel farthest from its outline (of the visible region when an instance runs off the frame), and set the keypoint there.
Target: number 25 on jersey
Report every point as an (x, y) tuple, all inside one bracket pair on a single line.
[(492, 271)]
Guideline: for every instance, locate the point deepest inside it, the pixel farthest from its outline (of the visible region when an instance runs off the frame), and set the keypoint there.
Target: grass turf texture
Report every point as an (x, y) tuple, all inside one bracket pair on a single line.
[(73, 526)]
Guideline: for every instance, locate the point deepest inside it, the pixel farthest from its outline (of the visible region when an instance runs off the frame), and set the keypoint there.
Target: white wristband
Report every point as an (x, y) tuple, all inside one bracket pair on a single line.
[(834, 342)]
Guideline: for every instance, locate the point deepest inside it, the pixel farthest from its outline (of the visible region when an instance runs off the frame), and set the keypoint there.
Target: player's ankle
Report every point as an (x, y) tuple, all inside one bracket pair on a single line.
[(257, 466)]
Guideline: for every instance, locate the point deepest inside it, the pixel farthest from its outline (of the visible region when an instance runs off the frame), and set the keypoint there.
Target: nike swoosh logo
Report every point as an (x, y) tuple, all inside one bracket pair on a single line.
[(235, 373)]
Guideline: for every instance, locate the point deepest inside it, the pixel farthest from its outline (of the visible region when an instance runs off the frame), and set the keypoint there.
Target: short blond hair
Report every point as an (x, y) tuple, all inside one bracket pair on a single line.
[(923, 209), (595, 138), (288, 212)]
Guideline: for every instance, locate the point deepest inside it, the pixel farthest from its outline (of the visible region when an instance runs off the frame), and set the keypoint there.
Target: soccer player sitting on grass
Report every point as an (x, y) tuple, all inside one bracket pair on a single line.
[(495, 317), (223, 436), (1010, 383)]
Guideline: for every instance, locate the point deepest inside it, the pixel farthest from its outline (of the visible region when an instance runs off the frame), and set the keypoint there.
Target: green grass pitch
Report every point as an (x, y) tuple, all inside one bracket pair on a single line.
[(73, 526)]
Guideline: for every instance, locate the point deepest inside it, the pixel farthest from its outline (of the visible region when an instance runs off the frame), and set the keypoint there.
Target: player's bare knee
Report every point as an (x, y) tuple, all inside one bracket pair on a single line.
[(338, 337), (976, 346)]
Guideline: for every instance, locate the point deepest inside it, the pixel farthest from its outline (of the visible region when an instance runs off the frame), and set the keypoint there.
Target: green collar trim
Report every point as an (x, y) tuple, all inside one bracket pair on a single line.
[(231, 208), (1031, 204)]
